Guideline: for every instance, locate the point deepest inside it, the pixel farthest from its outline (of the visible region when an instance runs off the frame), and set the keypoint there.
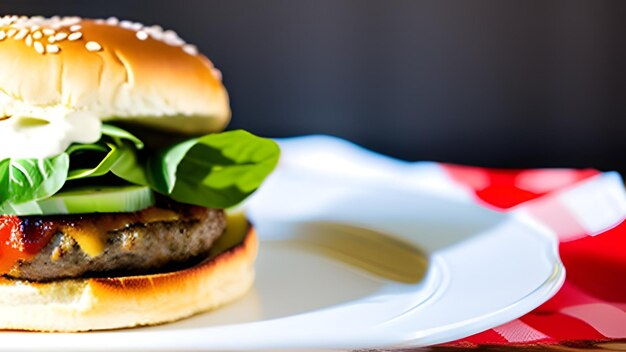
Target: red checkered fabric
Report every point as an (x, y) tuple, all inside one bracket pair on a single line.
[(592, 303)]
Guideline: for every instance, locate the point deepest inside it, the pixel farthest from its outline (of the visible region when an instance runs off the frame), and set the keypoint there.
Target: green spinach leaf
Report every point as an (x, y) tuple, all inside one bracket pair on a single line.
[(23, 180), (216, 170)]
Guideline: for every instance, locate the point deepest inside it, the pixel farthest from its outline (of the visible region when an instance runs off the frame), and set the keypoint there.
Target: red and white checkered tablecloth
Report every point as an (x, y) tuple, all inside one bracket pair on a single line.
[(586, 208)]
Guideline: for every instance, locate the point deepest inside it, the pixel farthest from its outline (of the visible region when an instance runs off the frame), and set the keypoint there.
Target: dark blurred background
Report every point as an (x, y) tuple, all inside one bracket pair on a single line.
[(492, 83)]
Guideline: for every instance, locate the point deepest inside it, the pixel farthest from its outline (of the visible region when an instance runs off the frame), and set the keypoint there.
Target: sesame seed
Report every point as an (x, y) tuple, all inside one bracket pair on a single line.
[(11, 32), (34, 28), (126, 24), (48, 31), (136, 26), (171, 38), (37, 35), (141, 35), (93, 46), (156, 28), (155, 32), (21, 34), (39, 47), (29, 40), (190, 49), (217, 73), (60, 36), (69, 21), (51, 39), (3, 35), (75, 28), (170, 33), (52, 48), (113, 21), (74, 36)]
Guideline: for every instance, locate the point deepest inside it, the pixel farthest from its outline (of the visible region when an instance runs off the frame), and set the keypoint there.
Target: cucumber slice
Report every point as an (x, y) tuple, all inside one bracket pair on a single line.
[(28, 208), (98, 200)]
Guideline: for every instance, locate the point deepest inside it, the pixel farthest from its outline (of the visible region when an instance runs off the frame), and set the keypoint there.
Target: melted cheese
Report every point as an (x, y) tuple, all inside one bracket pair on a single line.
[(157, 215), (90, 239), (92, 236)]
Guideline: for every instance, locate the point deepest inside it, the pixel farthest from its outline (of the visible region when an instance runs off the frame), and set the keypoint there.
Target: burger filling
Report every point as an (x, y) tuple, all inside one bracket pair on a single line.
[(92, 245), (117, 208)]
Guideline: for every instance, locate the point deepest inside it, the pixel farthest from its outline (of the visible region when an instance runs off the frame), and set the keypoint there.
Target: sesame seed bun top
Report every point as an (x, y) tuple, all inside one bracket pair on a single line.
[(115, 70)]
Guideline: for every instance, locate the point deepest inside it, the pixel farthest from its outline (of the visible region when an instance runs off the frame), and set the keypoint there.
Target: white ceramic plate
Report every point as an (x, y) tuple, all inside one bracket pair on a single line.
[(485, 268)]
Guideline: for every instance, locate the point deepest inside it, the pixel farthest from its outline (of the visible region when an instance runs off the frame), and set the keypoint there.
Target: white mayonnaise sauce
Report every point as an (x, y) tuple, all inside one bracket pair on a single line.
[(45, 132)]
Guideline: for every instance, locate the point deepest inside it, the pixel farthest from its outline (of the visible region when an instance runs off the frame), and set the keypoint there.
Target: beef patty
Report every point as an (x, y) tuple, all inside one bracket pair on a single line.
[(136, 247)]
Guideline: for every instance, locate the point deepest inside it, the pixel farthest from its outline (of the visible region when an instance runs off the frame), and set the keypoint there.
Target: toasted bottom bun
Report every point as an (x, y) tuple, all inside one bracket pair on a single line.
[(110, 303)]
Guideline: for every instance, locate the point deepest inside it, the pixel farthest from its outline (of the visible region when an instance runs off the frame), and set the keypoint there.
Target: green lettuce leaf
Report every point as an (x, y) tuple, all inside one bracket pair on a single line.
[(118, 135), (104, 166), (130, 168), (218, 170), (24, 180), (116, 153), (215, 171)]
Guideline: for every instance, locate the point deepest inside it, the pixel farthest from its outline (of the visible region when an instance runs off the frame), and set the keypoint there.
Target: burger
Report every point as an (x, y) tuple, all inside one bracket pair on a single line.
[(115, 176)]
